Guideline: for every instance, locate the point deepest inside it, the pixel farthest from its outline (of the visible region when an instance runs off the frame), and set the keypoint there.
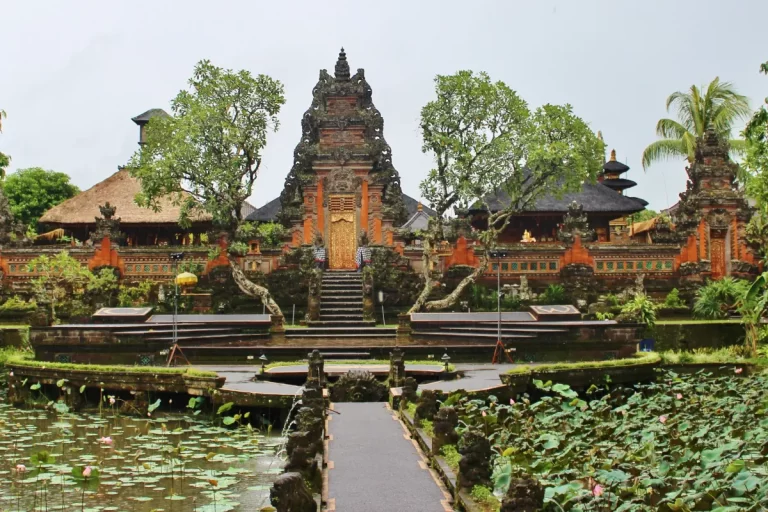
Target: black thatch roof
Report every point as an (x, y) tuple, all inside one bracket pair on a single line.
[(618, 183), (269, 211), (612, 165), (594, 197), (149, 114)]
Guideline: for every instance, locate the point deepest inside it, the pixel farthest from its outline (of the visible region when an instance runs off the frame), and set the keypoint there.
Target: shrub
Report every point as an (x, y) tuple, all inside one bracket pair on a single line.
[(484, 495), (612, 300), (16, 304), (718, 298), (272, 233), (673, 299), (451, 456), (640, 309), (554, 294)]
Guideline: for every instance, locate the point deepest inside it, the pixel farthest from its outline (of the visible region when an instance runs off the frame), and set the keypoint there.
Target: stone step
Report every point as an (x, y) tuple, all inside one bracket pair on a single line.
[(342, 297), (341, 316), (533, 329), (351, 325), (446, 334), (340, 335), (342, 285), (210, 338), (341, 332)]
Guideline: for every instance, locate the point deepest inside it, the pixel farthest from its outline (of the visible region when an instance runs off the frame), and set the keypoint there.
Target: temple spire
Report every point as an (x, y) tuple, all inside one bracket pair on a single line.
[(613, 155), (342, 66)]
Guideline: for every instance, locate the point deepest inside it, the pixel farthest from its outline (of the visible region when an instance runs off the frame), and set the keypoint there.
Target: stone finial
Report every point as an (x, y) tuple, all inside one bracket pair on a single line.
[(599, 135), (342, 67), (613, 155), (419, 207)]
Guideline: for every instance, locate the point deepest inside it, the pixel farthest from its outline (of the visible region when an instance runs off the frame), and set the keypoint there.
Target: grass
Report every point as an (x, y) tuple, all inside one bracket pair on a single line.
[(7, 353), (23, 361), (695, 321), (637, 359), (704, 356), (451, 456)]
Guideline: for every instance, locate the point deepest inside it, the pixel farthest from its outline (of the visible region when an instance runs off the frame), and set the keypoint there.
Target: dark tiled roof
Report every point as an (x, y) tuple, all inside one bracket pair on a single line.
[(269, 211), (149, 114), (639, 200), (594, 197)]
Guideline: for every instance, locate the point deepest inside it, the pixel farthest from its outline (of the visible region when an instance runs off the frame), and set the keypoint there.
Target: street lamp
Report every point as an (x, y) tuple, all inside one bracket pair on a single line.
[(498, 255), (446, 359), (176, 257), (264, 362)]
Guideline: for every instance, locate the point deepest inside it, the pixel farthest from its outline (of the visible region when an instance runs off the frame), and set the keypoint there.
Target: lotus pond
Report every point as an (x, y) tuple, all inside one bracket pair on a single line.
[(683, 443), (90, 462)]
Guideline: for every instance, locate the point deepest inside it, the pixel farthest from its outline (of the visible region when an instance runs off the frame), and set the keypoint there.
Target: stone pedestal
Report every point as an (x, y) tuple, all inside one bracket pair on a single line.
[(404, 327)]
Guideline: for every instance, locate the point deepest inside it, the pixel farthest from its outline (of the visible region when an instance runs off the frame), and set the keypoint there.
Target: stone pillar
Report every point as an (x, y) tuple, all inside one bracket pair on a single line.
[(277, 329), (579, 281), (404, 327), (316, 368), (396, 368)]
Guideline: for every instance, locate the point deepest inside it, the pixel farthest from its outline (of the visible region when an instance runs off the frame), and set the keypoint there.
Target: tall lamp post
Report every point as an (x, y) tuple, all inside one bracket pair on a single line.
[(176, 257), (498, 256)]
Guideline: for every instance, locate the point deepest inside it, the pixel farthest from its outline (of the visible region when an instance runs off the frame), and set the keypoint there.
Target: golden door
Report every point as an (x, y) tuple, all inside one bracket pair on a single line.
[(342, 240)]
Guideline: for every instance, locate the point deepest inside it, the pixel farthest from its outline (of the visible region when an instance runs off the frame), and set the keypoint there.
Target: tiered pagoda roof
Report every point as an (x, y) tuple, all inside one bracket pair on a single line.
[(611, 175)]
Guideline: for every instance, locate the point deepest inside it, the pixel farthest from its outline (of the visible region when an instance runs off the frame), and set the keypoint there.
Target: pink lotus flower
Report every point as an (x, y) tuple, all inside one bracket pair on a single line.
[(679, 396), (598, 490), (10, 374), (87, 471), (484, 414), (106, 440), (511, 401), (738, 370), (149, 415), (663, 419), (111, 400), (21, 468)]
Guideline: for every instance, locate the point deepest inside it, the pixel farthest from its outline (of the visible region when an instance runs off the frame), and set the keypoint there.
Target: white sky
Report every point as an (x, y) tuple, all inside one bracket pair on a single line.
[(74, 73)]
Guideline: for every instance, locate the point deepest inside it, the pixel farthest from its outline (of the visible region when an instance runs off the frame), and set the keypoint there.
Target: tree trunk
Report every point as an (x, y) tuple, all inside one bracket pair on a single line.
[(429, 284), (254, 290), (451, 299)]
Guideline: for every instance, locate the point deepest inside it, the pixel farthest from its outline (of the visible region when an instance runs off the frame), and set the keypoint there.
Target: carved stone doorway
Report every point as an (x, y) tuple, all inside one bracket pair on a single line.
[(342, 244)]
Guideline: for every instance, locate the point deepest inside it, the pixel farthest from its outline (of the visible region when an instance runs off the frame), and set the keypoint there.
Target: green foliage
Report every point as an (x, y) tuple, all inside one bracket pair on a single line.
[(733, 354), (208, 153), (612, 300), (554, 294), (640, 309), (484, 495), (485, 140), (16, 304), (717, 299), (643, 215), (271, 233), (673, 300), (686, 442), (59, 279), (604, 316), (755, 174), (451, 456), (717, 105), (33, 191), (136, 294), (22, 360), (482, 298)]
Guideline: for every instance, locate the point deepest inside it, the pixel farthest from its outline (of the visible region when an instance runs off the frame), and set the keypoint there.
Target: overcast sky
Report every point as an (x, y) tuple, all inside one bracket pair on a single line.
[(74, 73)]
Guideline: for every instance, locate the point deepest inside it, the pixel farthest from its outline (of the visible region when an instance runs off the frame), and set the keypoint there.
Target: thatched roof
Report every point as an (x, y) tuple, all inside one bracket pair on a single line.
[(118, 190)]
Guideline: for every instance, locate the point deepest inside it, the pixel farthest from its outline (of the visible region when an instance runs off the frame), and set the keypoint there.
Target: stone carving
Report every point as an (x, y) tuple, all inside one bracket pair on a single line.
[(290, 494), (9, 227), (579, 282), (358, 386), (107, 225), (313, 300), (409, 391), (444, 423), (374, 150), (575, 223), (316, 368), (396, 368), (525, 293), (475, 463), (342, 181), (524, 495), (426, 405)]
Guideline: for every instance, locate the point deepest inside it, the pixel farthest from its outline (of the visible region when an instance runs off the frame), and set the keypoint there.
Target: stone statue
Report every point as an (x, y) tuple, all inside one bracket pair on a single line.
[(445, 422), (524, 495), (426, 405), (316, 368), (290, 494), (396, 368), (575, 224), (358, 386), (107, 225), (409, 391), (475, 463)]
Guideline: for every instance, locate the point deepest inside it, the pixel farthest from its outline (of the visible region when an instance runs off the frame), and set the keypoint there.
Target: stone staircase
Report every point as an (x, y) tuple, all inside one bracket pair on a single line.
[(341, 310)]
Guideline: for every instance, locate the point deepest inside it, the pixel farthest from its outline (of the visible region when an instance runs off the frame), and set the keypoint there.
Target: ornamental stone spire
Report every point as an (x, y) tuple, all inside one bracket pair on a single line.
[(342, 67)]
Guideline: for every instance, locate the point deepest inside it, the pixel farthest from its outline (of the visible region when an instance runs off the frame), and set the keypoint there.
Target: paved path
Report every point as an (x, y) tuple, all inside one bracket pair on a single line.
[(375, 466)]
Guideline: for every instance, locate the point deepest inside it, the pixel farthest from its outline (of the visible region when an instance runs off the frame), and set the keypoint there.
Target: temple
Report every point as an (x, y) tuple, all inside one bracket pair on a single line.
[(343, 183)]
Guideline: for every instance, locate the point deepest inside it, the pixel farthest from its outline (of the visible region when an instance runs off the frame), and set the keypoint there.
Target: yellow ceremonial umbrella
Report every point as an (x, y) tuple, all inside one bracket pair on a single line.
[(186, 279)]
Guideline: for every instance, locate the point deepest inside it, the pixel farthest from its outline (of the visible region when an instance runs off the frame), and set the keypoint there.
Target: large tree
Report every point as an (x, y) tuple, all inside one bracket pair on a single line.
[(755, 173), (31, 192), (717, 104), (491, 152), (207, 155)]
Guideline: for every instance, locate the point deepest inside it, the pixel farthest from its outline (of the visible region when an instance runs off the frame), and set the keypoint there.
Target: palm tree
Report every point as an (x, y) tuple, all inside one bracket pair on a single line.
[(720, 107)]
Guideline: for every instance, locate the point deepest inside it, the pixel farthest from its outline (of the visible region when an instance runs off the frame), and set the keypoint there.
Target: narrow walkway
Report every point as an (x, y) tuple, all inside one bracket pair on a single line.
[(375, 467)]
